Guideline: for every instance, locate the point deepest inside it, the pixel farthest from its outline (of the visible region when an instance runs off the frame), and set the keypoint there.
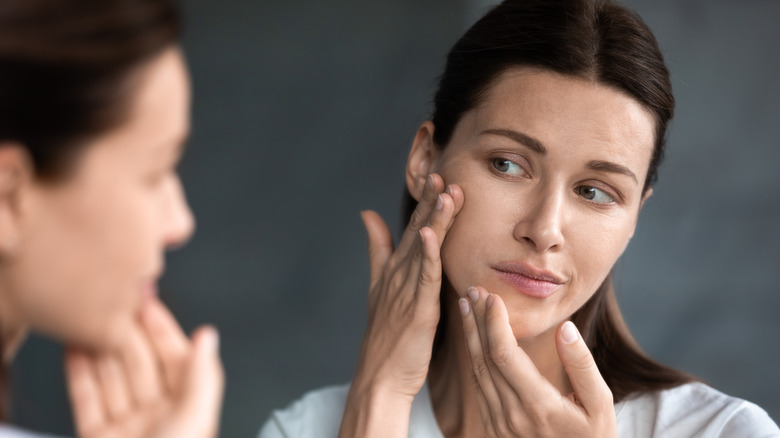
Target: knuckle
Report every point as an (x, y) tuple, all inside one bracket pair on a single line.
[(417, 220), (582, 361), (397, 280), (540, 414), (430, 276), (480, 368), (500, 355), (516, 422)]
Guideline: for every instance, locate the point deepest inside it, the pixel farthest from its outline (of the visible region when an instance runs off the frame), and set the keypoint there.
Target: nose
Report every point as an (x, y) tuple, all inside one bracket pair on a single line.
[(540, 224), (179, 221)]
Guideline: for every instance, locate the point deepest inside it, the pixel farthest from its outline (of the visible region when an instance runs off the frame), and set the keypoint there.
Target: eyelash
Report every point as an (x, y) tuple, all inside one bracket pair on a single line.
[(495, 162)]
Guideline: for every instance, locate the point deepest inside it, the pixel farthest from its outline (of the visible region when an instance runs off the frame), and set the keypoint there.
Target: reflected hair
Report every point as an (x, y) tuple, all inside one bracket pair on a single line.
[(67, 70), (599, 41)]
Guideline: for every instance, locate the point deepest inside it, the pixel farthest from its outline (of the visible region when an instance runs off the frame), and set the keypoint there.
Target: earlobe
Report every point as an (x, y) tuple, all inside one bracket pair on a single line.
[(14, 168), (422, 158)]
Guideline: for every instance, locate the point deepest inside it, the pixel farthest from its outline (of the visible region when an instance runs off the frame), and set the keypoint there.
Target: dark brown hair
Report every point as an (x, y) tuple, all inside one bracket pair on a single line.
[(599, 41), (66, 70)]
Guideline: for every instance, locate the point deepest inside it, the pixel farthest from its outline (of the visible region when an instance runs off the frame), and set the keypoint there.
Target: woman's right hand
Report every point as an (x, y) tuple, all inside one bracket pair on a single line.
[(403, 313), (159, 384)]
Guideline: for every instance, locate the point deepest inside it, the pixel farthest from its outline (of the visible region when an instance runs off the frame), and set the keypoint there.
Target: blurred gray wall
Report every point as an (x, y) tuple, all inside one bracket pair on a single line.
[(303, 114)]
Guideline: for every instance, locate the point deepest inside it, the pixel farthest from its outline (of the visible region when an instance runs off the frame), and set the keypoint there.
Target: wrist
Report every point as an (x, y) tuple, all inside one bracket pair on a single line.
[(375, 409)]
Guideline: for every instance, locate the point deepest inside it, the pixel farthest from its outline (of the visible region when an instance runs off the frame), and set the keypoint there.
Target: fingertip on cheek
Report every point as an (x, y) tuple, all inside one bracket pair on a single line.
[(463, 305), (569, 333), (473, 294)]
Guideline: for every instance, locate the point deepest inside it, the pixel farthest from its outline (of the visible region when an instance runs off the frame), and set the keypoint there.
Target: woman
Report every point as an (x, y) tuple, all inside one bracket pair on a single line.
[(548, 128), (94, 111)]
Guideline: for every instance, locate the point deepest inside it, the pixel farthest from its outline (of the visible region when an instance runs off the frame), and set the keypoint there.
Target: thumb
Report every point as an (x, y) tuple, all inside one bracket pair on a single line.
[(590, 388), (380, 242), (201, 401)]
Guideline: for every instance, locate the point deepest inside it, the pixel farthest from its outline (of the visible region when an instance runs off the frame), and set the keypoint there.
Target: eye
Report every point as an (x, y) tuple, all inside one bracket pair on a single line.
[(593, 194), (508, 167)]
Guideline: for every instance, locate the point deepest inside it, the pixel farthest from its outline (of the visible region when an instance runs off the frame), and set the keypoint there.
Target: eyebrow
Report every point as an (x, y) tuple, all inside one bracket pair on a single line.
[(521, 138), (538, 147), (607, 166)]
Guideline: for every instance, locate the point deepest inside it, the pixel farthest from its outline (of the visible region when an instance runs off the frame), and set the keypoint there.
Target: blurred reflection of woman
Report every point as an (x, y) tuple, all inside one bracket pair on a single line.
[(94, 112)]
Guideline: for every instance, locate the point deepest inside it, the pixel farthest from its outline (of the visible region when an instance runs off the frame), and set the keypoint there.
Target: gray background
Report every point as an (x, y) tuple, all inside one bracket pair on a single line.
[(303, 114)]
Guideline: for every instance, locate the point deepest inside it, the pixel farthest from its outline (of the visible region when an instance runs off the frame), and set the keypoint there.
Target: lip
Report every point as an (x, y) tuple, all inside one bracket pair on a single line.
[(528, 280)]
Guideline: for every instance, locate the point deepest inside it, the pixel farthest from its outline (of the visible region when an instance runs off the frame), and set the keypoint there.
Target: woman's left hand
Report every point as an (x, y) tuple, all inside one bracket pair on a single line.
[(159, 384), (514, 398)]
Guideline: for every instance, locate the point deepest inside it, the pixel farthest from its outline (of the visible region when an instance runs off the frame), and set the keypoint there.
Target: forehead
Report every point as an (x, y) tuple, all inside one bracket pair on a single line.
[(567, 114)]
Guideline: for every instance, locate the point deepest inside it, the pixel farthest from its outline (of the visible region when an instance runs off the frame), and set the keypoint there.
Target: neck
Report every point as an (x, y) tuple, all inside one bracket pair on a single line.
[(452, 389), (13, 332)]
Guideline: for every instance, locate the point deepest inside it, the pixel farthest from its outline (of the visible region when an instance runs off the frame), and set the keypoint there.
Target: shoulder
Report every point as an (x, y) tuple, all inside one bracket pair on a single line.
[(7, 431), (692, 410), (317, 414)]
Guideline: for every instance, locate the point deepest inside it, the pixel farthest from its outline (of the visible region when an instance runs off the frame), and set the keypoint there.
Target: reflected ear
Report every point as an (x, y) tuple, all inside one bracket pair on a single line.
[(421, 160), (648, 193), (15, 170)]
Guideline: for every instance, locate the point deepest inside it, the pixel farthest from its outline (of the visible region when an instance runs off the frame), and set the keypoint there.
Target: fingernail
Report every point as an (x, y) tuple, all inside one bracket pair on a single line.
[(463, 304), (422, 236), (449, 189), (210, 339), (439, 202), (569, 334), (429, 183), (489, 301), (473, 294)]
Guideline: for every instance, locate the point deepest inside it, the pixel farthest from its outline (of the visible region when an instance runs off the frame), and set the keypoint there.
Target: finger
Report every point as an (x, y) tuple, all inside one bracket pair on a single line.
[(168, 341), (113, 383), (141, 367), (433, 186), (589, 386), (484, 408), (479, 364), (458, 198), (380, 243), (429, 284), (511, 361), (499, 356), (422, 213), (204, 384), (84, 393), (443, 216)]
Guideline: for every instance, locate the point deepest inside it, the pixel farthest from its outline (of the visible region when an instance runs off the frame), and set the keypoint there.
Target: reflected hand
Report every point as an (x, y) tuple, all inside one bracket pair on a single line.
[(159, 383), (514, 398)]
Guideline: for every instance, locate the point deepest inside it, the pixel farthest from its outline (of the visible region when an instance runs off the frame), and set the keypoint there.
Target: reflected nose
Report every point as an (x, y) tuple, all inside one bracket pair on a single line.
[(541, 222), (180, 223)]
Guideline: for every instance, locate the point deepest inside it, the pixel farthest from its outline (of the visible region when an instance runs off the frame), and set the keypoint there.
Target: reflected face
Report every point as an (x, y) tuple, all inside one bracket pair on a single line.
[(93, 245), (552, 169)]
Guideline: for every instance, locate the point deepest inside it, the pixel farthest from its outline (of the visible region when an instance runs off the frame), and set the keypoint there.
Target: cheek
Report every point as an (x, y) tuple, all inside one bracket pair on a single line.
[(472, 240), (96, 251)]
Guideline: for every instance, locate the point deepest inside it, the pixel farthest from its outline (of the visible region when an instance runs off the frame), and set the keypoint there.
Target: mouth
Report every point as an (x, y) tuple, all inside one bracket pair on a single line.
[(528, 280)]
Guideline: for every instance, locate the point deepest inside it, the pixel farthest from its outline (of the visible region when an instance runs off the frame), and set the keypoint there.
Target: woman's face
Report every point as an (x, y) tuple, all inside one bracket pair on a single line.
[(552, 169), (92, 246)]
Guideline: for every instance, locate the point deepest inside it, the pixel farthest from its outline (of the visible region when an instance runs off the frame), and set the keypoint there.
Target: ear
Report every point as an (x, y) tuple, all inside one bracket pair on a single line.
[(647, 194), (422, 159), (15, 172)]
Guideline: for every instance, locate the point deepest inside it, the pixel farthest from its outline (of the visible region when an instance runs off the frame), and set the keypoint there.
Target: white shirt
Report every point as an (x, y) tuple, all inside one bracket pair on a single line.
[(688, 411), (7, 431)]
